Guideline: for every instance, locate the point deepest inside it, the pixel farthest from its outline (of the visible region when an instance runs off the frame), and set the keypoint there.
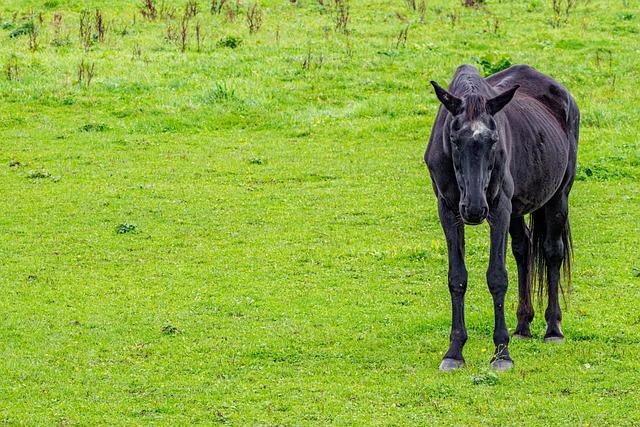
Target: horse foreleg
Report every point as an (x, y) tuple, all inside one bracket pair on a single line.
[(499, 218), (454, 233)]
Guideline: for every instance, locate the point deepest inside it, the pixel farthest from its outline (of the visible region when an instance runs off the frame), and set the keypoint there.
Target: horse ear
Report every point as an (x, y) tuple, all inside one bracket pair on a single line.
[(497, 103), (449, 101)]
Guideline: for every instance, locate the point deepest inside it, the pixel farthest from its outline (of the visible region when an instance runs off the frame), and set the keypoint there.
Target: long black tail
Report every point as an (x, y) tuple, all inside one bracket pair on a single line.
[(538, 263)]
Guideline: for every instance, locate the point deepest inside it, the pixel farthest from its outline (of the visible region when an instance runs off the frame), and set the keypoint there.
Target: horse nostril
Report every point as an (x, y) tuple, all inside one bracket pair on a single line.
[(463, 208), (485, 212)]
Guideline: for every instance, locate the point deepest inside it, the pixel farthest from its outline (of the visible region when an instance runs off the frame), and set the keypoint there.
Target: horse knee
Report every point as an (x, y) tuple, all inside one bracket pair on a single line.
[(458, 282), (497, 280)]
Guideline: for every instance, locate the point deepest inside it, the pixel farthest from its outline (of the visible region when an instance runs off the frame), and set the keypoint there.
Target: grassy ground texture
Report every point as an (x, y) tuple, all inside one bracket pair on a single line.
[(245, 232)]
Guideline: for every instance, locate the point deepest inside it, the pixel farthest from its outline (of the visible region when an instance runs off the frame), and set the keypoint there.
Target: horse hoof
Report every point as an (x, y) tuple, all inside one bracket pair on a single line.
[(501, 365), (448, 365), (557, 340), (521, 337)]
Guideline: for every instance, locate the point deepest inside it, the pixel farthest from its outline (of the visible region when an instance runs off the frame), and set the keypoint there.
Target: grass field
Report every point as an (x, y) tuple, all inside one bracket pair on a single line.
[(245, 233)]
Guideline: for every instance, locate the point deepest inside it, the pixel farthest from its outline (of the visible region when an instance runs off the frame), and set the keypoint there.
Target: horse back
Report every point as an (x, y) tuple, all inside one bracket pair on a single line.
[(534, 85)]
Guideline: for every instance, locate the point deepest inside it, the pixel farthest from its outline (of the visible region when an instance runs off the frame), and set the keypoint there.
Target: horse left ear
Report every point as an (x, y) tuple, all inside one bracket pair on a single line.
[(450, 102), (497, 103)]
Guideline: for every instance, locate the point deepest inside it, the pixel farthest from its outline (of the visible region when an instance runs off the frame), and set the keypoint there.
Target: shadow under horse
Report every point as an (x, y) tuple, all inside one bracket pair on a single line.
[(502, 147)]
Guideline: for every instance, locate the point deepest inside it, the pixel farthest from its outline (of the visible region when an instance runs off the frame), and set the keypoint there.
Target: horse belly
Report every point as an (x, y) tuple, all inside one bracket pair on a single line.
[(538, 178)]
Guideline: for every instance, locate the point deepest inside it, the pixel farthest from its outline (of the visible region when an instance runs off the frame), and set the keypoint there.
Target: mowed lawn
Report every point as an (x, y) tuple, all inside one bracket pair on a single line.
[(246, 234)]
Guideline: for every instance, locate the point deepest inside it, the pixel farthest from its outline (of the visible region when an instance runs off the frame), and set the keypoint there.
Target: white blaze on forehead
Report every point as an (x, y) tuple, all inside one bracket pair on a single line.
[(478, 127)]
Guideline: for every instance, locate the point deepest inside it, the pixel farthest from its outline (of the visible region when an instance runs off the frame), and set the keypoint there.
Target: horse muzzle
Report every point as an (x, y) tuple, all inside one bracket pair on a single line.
[(473, 214)]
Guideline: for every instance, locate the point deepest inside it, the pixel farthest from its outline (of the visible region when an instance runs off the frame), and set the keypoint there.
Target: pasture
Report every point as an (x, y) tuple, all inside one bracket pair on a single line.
[(237, 227)]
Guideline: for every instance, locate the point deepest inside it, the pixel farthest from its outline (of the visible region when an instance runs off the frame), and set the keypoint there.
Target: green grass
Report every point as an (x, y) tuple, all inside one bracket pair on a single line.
[(230, 236)]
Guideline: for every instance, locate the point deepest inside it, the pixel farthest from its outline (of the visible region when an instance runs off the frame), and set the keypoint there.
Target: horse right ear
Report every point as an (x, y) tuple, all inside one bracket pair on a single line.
[(450, 102)]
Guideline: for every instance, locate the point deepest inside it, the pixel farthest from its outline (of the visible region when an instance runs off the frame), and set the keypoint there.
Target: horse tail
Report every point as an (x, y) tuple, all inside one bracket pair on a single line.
[(537, 262)]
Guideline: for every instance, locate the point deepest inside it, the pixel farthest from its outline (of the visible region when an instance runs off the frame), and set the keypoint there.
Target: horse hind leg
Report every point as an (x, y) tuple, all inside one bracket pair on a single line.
[(521, 248), (556, 247)]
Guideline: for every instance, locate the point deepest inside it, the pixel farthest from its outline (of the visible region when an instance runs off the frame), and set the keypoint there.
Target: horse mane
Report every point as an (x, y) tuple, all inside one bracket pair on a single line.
[(474, 106), (472, 89)]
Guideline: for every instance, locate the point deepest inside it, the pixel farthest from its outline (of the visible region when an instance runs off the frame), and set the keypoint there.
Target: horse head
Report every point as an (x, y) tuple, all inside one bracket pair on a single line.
[(473, 140)]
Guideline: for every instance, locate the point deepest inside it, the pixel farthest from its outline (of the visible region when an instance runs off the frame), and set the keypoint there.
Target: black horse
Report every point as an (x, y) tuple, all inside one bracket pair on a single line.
[(500, 148)]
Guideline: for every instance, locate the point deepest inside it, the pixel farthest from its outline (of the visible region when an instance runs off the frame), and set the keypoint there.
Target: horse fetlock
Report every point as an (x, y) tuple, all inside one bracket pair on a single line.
[(523, 328), (502, 349), (454, 351), (501, 338), (553, 314), (459, 337)]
